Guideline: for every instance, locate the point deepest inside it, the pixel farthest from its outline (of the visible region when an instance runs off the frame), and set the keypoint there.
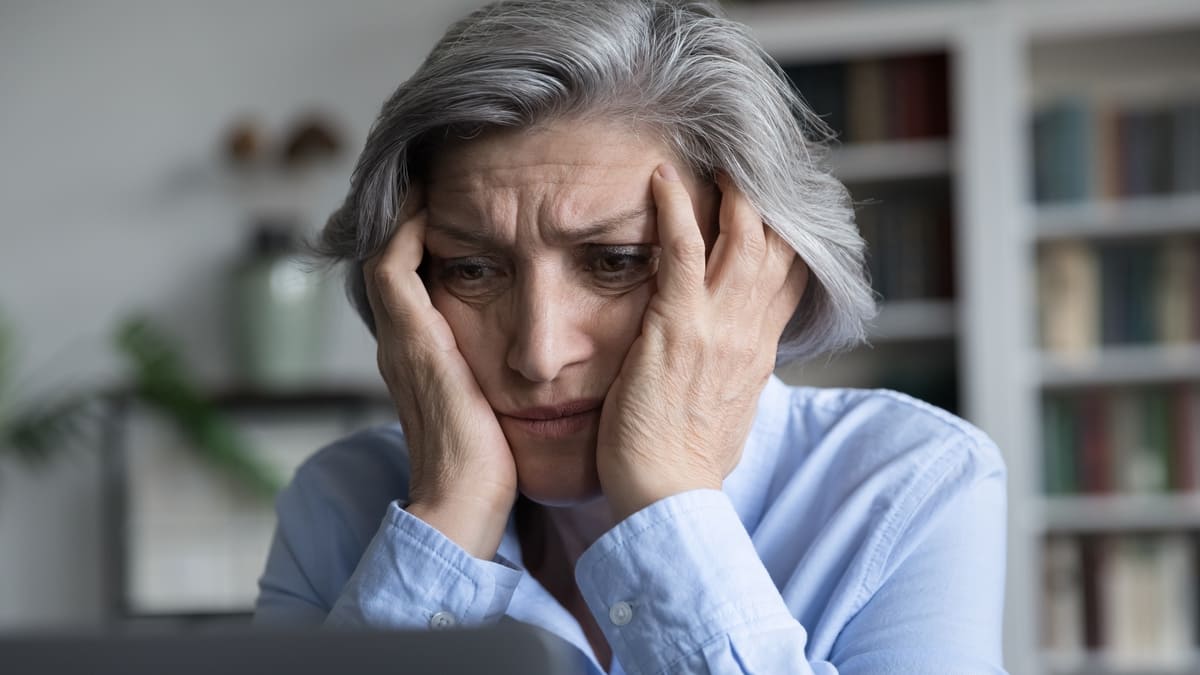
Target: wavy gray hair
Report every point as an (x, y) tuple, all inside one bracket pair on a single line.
[(680, 69)]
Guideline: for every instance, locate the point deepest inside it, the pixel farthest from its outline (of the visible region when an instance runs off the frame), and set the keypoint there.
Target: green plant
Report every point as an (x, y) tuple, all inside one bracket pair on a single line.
[(43, 428)]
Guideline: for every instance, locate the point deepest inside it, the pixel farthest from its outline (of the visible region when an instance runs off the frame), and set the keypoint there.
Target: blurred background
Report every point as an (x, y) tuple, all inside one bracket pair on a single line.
[(1027, 176)]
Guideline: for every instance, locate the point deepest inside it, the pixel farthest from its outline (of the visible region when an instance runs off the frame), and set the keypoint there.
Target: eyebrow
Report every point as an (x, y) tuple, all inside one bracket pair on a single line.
[(592, 230)]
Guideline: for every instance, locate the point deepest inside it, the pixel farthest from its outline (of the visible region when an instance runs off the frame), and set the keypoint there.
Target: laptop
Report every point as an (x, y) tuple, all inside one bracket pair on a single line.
[(505, 648)]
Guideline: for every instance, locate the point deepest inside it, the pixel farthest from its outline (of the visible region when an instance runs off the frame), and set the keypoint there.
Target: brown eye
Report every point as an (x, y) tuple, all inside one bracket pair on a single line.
[(471, 276), (614, 265)]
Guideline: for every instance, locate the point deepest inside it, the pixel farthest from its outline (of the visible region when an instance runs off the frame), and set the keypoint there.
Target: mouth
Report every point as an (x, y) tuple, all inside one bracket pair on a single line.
[(554, 421)]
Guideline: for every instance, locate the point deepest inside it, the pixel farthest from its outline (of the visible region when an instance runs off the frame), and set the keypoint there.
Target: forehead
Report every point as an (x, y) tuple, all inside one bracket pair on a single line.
[(561, 173)]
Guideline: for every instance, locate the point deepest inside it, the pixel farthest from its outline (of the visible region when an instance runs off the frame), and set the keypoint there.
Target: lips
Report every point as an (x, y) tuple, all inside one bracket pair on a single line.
[(555, 421)]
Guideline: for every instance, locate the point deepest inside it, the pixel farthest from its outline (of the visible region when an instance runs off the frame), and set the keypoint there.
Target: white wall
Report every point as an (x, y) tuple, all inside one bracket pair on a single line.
[(112, 200)]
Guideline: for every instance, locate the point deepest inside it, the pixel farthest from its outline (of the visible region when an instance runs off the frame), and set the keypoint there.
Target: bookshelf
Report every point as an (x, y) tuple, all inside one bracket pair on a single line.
[(1006, 61), (1116, 233), (895, 152)]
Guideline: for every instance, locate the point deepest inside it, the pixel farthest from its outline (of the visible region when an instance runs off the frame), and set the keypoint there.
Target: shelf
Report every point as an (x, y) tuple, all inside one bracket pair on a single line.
[(1120, 513), (304, 398), (1138, 364), (1100, 663), (914, 320), (1065, 20), (892, 160), (1120, 218), (824, 30)]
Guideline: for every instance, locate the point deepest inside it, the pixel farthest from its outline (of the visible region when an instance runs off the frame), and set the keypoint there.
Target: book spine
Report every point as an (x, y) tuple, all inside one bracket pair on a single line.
[(1185, 131), (1069, 296), (1174, 289)]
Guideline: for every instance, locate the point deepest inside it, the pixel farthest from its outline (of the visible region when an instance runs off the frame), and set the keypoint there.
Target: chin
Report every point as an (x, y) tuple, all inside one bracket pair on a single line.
[(558, 477)]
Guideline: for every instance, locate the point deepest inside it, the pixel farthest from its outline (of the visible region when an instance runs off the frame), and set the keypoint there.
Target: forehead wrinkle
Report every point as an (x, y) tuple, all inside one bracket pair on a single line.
[(556, 234)]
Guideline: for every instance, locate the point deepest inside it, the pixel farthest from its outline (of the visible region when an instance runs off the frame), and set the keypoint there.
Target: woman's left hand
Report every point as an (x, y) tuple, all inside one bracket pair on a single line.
[(678, 414)]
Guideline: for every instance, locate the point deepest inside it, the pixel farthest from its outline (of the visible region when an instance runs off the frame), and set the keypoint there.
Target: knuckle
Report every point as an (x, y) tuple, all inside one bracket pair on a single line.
[(686, 247), (750, 246)]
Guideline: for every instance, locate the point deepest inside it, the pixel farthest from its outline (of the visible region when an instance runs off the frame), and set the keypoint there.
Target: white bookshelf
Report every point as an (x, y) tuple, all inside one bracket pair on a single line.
[(892, 160), (1100, 663), (1120, 513), (996, 51), (915, 320), (1111, 366), (1139, 216)]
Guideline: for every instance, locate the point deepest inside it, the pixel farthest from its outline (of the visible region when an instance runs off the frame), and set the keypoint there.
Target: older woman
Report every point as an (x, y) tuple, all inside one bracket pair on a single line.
[(583, 234)]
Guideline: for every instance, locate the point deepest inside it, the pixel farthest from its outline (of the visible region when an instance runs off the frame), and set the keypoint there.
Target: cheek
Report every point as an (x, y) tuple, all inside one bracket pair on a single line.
[(475, 338), (616, 322)]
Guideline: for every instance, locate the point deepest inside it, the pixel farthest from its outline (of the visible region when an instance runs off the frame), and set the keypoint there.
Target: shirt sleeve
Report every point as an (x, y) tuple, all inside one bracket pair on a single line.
[(679, 587), (413, 576), (410, 575)]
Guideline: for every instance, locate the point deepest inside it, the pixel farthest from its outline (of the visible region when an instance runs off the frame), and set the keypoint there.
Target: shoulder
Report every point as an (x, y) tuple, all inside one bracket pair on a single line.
[(863, 431), (879, 454), (845, 485)]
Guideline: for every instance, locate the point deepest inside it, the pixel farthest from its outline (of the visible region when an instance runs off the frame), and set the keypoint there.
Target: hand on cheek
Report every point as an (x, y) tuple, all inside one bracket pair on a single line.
[(463, 479), (678, 414)]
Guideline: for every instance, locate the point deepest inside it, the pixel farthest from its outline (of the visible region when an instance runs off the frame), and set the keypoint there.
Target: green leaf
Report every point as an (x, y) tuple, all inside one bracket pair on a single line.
[(162, 382)]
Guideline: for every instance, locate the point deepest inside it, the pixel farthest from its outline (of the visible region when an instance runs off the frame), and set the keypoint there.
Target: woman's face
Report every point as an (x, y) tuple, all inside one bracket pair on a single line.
[(542, 254)]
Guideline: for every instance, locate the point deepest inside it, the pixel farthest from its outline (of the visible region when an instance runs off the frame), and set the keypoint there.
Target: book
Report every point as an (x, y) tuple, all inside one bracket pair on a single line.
[(1154, 461), (1060, 456), (1141, 261), (868, 108), (1147, 590), (823, 88), (1095, 457), (1175, 290), (1185, 132), (1106, 175), (1184, 437), (1125, 434), (1102, 149), (1091, 566), (1062, 151), (1062, 603), (1068, 296)]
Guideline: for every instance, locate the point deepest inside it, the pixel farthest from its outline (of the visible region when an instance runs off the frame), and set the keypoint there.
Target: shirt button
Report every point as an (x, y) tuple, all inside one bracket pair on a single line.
[(620, 613), (442, 620)]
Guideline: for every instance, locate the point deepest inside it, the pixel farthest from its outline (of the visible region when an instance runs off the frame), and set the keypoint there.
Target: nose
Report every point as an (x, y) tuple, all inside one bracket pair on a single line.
[(548, 331)]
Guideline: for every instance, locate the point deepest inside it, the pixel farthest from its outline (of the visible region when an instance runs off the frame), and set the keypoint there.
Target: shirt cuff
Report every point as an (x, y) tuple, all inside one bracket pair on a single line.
[(675, 576), (413, 576)]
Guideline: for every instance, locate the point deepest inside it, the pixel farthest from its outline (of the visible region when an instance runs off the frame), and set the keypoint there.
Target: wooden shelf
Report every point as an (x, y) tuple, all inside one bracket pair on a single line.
[(1136, 364), (1149, 216), (915, 320), (1120, 513), (892, 160)]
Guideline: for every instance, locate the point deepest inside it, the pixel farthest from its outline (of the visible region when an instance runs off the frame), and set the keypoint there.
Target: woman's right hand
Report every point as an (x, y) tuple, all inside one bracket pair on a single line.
[(463, 480)]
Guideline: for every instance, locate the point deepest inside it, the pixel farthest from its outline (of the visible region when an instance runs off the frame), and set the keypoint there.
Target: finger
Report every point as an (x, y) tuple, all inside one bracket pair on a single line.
[(414, 202), (738, 254), (681, 263), (787, 299), (777, 261), (393, 283)]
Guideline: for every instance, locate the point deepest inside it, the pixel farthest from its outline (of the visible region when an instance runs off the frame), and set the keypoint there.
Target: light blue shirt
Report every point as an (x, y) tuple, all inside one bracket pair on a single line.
[(862, 532)]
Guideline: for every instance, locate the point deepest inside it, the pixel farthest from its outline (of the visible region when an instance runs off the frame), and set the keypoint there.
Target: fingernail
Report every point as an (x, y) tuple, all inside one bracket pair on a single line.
[(668, 172)]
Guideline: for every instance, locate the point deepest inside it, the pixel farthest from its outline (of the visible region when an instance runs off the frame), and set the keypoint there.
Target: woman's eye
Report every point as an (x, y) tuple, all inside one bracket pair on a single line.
[(622, 264), (470, 275)]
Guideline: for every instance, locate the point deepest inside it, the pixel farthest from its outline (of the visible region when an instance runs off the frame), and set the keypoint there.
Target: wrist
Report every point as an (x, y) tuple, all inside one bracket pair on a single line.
[(477, 526), (631, 498)]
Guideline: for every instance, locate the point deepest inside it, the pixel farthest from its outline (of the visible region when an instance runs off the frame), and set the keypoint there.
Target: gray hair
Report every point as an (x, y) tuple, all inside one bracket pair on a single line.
[(679, 68)]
